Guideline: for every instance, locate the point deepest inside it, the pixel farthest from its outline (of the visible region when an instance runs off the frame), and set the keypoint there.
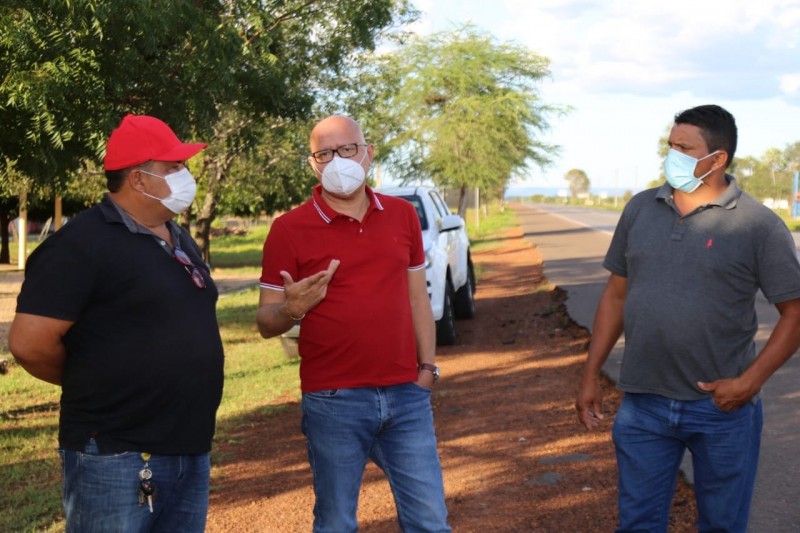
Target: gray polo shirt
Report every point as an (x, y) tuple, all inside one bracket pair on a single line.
[(692, 282)]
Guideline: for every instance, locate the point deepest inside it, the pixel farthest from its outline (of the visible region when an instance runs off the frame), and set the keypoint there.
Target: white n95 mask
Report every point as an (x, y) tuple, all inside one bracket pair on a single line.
[(343, 175), (182, 188)]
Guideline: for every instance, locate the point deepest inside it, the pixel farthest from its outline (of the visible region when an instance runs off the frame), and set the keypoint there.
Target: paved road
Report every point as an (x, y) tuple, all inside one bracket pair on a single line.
[(573, 242)]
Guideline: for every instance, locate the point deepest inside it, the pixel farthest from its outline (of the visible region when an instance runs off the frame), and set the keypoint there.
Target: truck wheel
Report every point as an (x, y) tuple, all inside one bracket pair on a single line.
[(446, 326), (464, 304)]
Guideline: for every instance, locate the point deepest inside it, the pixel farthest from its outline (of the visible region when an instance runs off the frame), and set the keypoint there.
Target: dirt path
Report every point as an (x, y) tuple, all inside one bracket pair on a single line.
[(514, 457), (10, 282)]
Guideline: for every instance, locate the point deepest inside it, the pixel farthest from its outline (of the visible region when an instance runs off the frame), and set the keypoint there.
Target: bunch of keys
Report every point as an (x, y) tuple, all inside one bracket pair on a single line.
[(147, 487)]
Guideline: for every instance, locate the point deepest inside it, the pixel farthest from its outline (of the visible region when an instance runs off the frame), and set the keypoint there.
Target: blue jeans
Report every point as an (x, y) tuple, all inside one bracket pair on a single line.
[(650, 435), (393, 426), (101, 492)]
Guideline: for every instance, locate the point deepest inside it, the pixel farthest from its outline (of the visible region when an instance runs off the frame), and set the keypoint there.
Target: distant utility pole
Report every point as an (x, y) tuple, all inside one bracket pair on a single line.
[(22, 240)]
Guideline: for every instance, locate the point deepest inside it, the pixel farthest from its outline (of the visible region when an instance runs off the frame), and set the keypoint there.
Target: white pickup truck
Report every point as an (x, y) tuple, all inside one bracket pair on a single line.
[(448, 265), (449, 273)]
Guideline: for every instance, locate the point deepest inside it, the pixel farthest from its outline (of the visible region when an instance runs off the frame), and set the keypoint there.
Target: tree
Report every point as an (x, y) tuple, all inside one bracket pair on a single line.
[(461, 110), (274, 178), (212, 70), (578, 182), (775, 165), (296, 51), (791, 155), (75, 68), (744, 169)]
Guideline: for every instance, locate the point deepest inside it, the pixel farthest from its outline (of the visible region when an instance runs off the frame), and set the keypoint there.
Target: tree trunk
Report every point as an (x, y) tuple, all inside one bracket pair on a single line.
[(5, 250), (217, 172), (462, 201)]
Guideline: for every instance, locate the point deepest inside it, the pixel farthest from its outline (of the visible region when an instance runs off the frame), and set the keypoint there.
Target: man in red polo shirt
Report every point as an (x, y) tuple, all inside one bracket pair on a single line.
[(349, 264)]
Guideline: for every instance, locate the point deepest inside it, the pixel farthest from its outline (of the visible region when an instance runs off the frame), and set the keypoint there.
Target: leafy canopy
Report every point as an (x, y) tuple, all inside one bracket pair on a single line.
[(461, 110)]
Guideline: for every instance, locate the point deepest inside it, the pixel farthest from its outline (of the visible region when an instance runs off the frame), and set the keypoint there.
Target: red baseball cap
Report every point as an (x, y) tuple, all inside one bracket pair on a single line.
[(140, 138)]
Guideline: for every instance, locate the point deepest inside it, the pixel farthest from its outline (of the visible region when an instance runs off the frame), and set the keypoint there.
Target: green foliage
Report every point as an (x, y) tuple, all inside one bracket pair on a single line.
[(460, 109), (273, 178), (243, 74), (74, 68), (578, 182)]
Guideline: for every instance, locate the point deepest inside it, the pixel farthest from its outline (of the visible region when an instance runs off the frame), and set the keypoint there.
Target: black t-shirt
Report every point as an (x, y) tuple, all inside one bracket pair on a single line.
[(144, 365)]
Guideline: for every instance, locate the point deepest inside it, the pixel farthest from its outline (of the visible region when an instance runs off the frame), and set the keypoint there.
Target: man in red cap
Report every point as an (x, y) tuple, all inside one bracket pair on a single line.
[(119, 310)]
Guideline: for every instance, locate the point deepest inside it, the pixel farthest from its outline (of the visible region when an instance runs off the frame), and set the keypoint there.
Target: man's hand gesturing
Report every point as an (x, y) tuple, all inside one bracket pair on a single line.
[(302, 296)]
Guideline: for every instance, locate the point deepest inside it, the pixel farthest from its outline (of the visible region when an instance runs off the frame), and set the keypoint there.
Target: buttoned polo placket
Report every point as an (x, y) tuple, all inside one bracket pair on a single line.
[(727, 200), (134, 227)]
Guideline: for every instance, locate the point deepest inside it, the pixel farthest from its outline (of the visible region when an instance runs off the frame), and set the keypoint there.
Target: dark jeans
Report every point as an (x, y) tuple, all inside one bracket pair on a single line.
[(101, 492), (393, 426), (652, 432)]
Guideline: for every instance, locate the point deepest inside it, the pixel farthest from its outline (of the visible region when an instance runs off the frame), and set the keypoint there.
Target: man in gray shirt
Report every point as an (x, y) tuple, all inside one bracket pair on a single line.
[(686, 262)]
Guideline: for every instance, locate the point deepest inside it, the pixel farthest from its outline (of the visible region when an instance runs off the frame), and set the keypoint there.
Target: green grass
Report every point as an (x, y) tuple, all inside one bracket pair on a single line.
[(29, 465), (256, 371), (13, 251), (486, 233), (258, 380), (236, 251)]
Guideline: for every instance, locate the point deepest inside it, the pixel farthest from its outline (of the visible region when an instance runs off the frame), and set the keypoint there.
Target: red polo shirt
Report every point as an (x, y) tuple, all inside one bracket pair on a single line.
[(361, 334)]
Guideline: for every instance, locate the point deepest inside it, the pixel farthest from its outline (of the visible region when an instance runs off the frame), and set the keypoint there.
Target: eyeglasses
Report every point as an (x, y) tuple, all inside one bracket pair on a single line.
[(194, 272), (346, 150)]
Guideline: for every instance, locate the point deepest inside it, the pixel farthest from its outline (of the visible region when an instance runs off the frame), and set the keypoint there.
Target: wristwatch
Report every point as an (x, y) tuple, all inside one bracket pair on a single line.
[(430, 368)]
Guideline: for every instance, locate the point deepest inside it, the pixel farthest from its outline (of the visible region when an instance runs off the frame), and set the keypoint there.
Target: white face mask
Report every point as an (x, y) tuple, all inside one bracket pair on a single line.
[(342, 175), (182, 188)]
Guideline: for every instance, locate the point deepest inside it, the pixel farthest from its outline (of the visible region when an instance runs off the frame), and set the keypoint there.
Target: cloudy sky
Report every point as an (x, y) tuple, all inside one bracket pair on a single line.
[(627, 67)]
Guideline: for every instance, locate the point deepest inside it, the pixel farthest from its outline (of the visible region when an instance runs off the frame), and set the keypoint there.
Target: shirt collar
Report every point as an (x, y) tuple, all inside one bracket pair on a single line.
[(327, 213), (114, 213), (727, 200)]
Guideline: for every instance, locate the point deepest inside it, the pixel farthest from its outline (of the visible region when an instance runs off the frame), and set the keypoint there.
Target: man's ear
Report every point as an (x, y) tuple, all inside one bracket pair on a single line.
[(720, 160), (313, 165), (134, 179)]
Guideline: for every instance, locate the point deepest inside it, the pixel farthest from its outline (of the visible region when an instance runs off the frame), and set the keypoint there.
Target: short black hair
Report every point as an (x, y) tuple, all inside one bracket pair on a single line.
[(717, 126), (115, 178)]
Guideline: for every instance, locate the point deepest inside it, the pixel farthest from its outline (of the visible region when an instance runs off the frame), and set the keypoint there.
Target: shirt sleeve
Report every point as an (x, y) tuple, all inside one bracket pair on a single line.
[(59, 281), (417, 251), (615, 260), (778, 267), (278, 254)]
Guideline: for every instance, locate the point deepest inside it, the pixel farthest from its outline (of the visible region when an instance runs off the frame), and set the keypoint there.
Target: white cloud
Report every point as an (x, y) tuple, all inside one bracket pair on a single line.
[(716, 48), (627, 67), (790, 84)]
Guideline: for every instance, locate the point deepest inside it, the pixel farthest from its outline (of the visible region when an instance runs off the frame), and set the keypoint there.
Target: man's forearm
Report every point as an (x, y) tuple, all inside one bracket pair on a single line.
[(781, 345), (36, 342), (48, 369), (274, 319)]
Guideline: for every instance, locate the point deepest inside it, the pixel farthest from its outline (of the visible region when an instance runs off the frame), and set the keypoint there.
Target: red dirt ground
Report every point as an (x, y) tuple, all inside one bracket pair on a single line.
[(513, 454)]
